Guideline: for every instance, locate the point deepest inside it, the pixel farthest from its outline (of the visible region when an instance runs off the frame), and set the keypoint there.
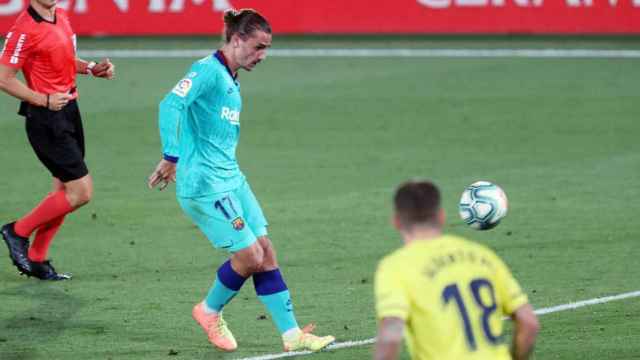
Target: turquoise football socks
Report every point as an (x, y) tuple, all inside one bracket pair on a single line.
[(273, 293), (225, 287)]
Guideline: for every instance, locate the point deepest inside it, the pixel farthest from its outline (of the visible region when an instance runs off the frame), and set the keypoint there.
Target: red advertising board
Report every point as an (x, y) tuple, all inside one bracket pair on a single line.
[(163, 17)]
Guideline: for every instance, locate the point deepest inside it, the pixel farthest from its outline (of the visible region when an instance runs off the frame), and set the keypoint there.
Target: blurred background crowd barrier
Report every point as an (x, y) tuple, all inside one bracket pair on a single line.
[(197, 17)]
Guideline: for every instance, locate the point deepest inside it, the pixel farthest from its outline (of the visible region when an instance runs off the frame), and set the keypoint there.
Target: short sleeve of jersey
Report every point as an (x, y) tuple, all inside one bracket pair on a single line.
[(18, 46), (391, 298), (509, 291)]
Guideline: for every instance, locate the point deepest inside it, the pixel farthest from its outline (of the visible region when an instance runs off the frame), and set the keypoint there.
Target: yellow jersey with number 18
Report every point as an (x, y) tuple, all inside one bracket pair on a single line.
[(452, 294)]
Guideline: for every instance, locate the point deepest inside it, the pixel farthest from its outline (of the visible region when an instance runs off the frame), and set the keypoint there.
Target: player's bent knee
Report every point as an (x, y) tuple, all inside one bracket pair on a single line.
[(80, 191), (270, 261), (79, 197), (267, 246), (77, 201), (84, 199), (249, 260), (255, 262)]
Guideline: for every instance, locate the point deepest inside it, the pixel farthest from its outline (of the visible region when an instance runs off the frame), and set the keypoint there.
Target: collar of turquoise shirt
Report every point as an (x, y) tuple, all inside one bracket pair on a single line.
[(223, 60)]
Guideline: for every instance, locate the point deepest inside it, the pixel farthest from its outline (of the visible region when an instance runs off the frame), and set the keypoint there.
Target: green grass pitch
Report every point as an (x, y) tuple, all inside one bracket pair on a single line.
[(324, 142)]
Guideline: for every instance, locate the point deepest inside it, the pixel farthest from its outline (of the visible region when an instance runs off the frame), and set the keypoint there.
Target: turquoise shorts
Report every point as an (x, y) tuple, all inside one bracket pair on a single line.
[(231, 220)]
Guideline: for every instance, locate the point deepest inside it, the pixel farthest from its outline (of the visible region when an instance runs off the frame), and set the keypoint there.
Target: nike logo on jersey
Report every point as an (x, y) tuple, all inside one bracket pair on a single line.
[(233, 116)]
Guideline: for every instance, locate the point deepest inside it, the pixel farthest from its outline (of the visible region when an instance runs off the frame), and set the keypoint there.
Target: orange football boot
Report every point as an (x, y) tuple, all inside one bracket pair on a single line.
[(305, 340), (216, 328)]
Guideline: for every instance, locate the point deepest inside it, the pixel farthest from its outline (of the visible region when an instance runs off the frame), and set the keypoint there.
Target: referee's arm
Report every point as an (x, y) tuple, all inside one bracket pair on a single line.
[(104, 69), (10, 84)]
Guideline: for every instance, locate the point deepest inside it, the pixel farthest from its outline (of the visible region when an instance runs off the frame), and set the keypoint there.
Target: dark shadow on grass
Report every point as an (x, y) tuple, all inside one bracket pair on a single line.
[(43, 323)]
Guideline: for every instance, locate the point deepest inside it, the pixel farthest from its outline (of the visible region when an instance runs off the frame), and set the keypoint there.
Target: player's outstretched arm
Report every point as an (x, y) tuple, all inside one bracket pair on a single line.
[(389, 339), (526, 330)]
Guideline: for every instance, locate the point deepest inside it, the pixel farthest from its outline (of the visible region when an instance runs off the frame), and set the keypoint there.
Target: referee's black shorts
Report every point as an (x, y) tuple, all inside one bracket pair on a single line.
[(57, 139)]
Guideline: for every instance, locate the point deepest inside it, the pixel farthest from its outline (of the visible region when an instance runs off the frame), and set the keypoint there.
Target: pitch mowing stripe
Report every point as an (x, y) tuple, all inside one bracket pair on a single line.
[(543, 311), (384, 53)]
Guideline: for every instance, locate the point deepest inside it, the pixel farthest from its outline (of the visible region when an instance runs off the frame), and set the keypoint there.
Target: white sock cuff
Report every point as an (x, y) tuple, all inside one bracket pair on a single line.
[(291, 333)]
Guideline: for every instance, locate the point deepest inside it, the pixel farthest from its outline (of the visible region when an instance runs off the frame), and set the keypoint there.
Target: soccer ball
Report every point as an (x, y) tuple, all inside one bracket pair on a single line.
[(483, 205)]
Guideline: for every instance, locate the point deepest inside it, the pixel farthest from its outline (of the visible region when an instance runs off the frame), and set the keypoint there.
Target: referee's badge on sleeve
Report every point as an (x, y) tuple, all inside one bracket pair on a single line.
[(183, 87)]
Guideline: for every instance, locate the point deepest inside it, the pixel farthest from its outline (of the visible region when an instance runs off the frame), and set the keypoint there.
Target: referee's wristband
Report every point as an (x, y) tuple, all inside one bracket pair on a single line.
[(169, 158), (90, 67)]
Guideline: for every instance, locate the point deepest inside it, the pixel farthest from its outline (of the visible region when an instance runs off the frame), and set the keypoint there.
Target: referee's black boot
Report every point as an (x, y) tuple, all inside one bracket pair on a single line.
[(18, 249), (45, 271)]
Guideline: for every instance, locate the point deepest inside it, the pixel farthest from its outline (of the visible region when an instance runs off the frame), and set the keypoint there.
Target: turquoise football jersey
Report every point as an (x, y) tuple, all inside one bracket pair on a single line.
[(200, 128)]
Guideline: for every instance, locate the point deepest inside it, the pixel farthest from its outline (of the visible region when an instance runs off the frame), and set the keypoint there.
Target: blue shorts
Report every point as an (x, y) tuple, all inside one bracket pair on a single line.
[(231, 220)]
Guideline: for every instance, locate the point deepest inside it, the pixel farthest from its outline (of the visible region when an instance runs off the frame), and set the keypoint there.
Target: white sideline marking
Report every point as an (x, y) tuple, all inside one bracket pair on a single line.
[(543, 311), (579, 304), (419, 53)]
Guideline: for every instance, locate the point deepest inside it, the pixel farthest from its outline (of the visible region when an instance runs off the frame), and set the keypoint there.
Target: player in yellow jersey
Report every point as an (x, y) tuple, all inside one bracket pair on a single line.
[(447, 295)]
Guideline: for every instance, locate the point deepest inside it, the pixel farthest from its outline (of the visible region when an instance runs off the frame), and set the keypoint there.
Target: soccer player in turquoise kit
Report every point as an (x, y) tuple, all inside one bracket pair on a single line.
[(199, 129)]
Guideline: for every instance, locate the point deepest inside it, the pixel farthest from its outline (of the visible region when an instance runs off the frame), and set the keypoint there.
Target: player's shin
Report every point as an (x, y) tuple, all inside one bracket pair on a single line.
[(274, 294), (225, 287)]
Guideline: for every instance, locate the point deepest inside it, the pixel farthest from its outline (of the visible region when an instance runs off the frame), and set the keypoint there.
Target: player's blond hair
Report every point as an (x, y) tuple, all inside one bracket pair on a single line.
[(244, 22)]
